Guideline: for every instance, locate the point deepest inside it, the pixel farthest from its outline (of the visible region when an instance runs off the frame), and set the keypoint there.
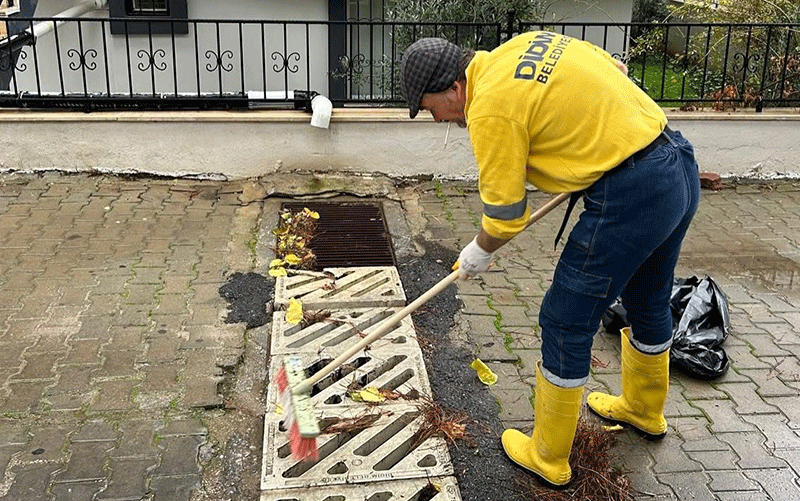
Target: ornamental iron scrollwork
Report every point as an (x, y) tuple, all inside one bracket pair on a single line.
[(83, 59), (681, 64), (377, 77), (284, 62), (5, 62), (364, 20), (217, 61), (151, 60), (750, 63), (354, 64)]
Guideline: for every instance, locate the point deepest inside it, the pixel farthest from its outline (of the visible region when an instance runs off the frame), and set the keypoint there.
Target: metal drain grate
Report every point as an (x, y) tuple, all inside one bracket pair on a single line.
[(337, 332), (370, 451), (342, 288), (378, 443), (348, 234), (433, 489), (397, 368)]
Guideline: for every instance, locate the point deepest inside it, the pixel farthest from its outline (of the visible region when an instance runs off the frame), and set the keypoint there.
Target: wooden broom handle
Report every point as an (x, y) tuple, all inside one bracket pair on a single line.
[(387, 324)]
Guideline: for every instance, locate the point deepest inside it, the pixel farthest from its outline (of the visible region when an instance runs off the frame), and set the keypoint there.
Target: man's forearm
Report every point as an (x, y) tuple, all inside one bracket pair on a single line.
[(488, 242)]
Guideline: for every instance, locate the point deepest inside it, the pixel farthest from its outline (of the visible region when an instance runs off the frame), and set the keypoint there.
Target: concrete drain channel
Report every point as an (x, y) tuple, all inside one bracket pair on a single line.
[(379, 455)]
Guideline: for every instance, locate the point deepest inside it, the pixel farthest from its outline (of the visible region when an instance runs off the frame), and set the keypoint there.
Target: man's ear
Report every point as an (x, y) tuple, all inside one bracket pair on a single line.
[(460, 88)]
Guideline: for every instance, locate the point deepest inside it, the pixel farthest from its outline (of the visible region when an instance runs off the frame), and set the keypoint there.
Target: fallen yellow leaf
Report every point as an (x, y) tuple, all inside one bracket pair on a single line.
[(312, 214), (292, 259), (275, 263), (371, 394), (294, 313), (277, 272)]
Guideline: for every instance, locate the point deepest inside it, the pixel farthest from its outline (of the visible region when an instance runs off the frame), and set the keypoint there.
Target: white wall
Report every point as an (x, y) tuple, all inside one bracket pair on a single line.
[(243, 145)]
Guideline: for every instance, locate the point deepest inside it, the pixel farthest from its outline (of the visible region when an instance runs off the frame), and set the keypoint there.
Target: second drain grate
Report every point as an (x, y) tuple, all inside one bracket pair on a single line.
[(348, 234)]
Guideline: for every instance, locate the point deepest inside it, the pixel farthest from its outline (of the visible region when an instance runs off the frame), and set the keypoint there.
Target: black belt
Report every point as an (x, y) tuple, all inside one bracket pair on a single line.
[(661, 139)]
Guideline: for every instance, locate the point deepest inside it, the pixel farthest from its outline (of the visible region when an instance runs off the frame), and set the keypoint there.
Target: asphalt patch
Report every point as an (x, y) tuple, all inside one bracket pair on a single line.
[(481, 467), (248, 296)]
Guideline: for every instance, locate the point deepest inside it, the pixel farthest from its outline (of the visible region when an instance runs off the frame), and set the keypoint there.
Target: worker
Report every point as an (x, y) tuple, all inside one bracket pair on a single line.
[(562, 114)]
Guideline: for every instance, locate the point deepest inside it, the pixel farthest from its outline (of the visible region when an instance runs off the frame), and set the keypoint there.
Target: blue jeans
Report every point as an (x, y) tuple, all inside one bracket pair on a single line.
[(625, 244)]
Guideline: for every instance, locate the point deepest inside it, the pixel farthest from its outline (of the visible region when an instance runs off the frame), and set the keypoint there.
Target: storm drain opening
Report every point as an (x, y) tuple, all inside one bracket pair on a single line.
[(348, 234), (385, 434), (337, 375), (385, 367)]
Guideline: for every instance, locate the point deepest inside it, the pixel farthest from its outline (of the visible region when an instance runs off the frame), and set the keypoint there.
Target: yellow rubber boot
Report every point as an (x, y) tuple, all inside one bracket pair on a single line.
[(546, 453), (645, 381)]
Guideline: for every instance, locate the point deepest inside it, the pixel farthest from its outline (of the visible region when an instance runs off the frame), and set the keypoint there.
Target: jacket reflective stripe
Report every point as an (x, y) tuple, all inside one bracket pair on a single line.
[(506, 212)]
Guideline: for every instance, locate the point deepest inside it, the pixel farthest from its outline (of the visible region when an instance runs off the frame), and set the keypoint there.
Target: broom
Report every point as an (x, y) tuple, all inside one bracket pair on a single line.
[(295, 390)]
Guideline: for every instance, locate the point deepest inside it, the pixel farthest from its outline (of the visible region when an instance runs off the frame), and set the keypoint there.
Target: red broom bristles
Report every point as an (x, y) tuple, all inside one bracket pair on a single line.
[(303, 448)]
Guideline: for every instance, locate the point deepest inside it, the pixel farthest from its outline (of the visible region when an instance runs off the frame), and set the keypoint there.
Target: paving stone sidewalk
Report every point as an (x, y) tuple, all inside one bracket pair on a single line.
[(112, 339), (120, 379)]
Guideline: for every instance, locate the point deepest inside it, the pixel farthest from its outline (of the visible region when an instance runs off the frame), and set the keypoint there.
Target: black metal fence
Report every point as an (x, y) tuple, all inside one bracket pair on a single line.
[(721, 66), (77, 63)]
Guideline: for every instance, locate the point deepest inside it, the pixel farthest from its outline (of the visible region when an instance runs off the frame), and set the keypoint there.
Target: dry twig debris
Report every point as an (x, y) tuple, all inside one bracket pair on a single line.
[(313, 317), (593, 477), (438, 421), (351, 425)]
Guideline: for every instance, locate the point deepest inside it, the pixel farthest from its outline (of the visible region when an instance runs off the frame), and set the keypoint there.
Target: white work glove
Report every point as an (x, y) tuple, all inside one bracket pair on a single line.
[(473, 260)]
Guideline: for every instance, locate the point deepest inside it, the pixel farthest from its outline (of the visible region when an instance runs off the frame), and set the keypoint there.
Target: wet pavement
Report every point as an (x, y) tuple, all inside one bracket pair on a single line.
[(127, 373)]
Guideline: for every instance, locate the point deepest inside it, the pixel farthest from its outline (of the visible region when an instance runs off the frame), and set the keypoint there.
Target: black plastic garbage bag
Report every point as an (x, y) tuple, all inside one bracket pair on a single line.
[(700, 324), (615, 317)]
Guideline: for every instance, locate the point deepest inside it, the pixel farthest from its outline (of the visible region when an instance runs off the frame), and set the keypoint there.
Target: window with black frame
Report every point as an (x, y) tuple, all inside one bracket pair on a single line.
[(147, 7), (134, 17)]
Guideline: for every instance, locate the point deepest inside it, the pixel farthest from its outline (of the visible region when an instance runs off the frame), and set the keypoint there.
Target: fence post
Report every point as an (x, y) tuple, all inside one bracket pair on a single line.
[(510, 18), (337, 47)]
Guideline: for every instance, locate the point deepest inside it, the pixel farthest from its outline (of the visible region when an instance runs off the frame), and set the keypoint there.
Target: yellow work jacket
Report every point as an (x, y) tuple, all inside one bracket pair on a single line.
[(554, 111)]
